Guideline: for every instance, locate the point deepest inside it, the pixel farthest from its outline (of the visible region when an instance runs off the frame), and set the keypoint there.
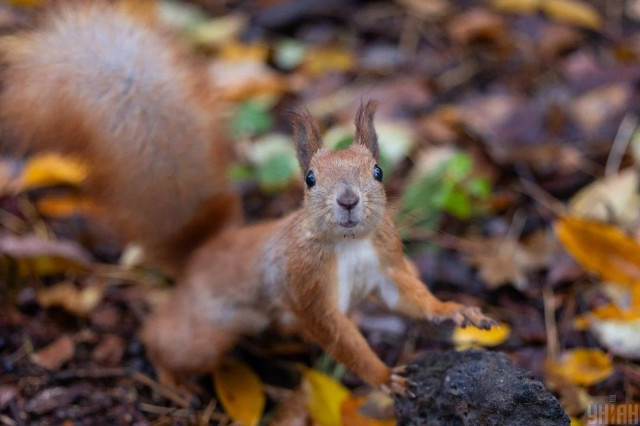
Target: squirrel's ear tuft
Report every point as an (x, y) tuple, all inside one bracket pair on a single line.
[(365, 132), (306, 136)]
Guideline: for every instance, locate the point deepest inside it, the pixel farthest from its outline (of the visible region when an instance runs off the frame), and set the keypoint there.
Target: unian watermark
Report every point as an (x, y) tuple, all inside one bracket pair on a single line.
[(613, 413)]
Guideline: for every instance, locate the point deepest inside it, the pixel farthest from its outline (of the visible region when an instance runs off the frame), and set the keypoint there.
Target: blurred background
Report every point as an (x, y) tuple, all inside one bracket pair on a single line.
[(509, 141)]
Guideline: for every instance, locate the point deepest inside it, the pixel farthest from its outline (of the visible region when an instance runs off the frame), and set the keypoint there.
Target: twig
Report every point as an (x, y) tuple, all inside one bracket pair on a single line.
[(620, 144), (550, 321), (163, 390)]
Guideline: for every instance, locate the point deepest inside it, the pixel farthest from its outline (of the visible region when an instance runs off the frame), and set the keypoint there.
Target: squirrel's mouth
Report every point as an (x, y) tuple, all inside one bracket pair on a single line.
[(349, 224)]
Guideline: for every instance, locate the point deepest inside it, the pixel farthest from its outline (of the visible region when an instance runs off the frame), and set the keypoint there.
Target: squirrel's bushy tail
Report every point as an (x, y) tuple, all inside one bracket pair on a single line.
[(97, 83)]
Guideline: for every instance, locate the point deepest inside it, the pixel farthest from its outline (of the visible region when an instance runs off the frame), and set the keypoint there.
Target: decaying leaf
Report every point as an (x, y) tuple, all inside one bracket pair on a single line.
[(325, 397), (609, 199), (240, 390), (69, 297), (52, 169), (600, 248), (581, 366), (61, 207), (53, 356), (468, 337)]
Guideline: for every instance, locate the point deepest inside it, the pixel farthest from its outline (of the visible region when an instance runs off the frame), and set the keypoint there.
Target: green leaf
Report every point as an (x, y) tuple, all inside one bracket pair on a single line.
[(458, 204), (240, 172), (459, 166), (276, 172), (479, 187), (343, 143), (250, 119)]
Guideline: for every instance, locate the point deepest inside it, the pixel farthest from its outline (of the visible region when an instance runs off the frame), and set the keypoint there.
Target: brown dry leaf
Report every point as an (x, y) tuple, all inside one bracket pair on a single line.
[(573, 12), (596, 107), (370, 410), (325, 59), (600, 248), (52, 169), (240, 80), (240, 390), (468, 337), (325, 396), (581, 366), (53, 356), (478, 24), (613, 198), (109, 351), (66, 295)]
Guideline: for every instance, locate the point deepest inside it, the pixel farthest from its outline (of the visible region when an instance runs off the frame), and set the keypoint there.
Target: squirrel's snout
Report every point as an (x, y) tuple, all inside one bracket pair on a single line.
[(348, 199)]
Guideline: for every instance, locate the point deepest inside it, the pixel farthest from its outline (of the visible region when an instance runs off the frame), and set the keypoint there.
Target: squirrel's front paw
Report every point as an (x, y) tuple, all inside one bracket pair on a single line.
[(398, 384), (463, 316)]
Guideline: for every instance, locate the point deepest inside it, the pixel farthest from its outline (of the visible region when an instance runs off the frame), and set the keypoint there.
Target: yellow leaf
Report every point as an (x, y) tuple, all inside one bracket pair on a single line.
[(236, 51), (351, 412), (581, 366), (526, 7), (240, 391), (614, 328), (600, 248), (324, 397), (52, 169), (322, 60), (473, 336), (61, 207), (572, 12), (69, 297)]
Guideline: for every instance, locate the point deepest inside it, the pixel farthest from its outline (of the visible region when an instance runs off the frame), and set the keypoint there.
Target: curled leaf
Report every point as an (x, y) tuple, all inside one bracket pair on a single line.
[(325, 396), (581, 366), (471, 336), (52, 169), (600, 248), (240, 390)]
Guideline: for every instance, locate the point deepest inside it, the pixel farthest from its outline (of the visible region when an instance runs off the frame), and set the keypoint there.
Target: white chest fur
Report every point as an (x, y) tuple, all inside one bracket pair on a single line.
[(359, 274)]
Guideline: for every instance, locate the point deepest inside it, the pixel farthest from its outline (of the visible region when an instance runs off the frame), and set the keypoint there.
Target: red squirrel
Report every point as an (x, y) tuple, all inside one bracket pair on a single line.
[(97, 83)]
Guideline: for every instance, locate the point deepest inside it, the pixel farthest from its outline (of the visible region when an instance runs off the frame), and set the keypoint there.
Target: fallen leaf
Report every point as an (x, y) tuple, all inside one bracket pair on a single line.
[(69, 297), (581, 366), (52, 169), (354, 410), (596, 107), (237, 51), (572, 12), (240, 390), (109, 351), (241, 80), (325, 59), (468, 337), (602, 249), (615, 328), (61, 207), (53, 356), (325, 396), (218, 31), (613, 198)]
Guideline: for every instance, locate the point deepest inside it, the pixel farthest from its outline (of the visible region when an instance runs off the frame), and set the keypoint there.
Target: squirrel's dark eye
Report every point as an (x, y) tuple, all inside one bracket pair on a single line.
[(377, 173), (310, 179)]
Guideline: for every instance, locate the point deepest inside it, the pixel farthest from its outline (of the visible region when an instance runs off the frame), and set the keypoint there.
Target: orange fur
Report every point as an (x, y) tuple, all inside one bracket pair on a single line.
[(97, 83)]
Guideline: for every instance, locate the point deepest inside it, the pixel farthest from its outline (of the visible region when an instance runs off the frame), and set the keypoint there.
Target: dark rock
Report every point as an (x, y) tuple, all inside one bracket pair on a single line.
[(475, 387)]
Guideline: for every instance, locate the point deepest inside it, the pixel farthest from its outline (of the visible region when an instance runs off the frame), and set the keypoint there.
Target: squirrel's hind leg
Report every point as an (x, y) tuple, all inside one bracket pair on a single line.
[(183, 339)]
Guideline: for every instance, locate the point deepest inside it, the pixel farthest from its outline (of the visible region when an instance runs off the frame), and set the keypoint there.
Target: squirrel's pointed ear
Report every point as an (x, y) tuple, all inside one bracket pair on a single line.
[(306, 137), (365, 132)]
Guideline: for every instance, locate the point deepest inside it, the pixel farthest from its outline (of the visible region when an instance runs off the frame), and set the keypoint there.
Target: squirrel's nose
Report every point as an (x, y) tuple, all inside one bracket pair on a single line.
[(348, 199)]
